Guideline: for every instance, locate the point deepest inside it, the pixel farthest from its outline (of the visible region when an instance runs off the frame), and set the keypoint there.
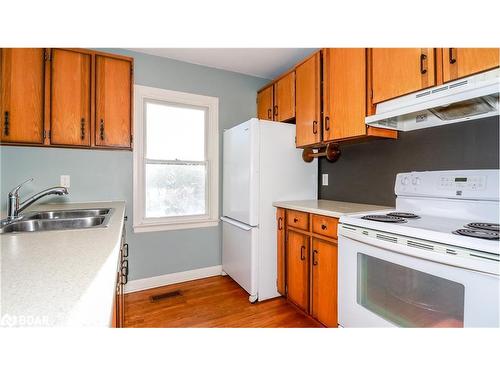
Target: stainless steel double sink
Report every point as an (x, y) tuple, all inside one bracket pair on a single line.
[(58, 220)]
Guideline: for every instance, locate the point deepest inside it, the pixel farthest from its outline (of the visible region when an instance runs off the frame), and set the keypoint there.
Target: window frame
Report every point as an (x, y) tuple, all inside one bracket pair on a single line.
[(142, 95)]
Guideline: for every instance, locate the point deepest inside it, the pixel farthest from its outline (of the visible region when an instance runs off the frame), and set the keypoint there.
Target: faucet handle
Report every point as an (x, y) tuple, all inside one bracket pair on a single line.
[(16, 189)]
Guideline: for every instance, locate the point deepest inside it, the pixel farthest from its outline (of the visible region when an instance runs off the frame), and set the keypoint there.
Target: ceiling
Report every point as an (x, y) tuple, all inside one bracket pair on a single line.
[(259, 62)]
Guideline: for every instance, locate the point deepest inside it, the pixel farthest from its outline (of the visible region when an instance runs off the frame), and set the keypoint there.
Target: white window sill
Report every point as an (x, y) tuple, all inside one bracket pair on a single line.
[(160, 227)]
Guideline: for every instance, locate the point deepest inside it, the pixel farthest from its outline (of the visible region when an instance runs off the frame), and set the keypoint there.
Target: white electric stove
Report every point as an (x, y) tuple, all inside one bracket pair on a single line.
[(433, 261)]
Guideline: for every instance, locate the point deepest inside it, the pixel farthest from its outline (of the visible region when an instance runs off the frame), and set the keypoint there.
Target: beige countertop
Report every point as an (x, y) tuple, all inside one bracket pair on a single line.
[(61, 278), (329, 208)]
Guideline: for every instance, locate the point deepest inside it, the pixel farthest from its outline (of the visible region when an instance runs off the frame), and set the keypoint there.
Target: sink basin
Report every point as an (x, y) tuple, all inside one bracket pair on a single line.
[(58, 220), (66, 214)]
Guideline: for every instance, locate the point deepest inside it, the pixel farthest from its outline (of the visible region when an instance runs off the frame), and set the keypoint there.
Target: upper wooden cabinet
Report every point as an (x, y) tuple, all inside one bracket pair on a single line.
[(113, 102), (399, 71), (344, 93), (70, 97), (462, 62), (277, 101), (284, 98), (265, 103), (22, 85), (308, 101), (66, 97)]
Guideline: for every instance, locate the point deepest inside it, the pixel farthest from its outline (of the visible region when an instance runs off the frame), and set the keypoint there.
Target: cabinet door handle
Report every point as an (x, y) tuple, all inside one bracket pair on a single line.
[(327, 123), (101, 129), (302, 250), (315, 261), (269, 114), (275, 111), (452, 56), (280, 223), (6, 123), (315, 127), (82, 129), (323, 226), (423, 63)]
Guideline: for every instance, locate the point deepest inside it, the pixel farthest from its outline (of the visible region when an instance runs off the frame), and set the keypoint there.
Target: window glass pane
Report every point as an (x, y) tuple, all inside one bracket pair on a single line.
[(407, 297), (175, 190), (174, 132)]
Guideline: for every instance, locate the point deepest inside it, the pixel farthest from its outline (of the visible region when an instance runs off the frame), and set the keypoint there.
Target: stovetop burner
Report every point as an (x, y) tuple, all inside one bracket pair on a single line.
[(484, 226), (384, 218), (478, 233), (405, 215)]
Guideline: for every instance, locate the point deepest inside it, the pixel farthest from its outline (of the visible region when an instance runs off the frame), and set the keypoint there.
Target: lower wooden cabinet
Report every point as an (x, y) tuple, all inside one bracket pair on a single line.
[(297, 269), (324, 282), (307, 264)]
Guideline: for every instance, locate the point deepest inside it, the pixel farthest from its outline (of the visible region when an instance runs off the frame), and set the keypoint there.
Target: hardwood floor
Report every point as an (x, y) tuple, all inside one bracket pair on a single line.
[(212, 302)]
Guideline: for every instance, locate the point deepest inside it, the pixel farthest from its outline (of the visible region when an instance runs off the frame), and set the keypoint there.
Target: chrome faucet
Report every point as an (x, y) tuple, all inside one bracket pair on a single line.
[(14, 207)]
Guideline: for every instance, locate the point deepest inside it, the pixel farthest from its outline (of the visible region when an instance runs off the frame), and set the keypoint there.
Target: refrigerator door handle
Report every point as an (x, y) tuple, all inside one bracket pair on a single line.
[(236, 223)]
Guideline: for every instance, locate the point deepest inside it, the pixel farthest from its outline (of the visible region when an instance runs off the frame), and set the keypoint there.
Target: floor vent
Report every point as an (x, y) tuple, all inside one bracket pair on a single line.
[(160, 297)]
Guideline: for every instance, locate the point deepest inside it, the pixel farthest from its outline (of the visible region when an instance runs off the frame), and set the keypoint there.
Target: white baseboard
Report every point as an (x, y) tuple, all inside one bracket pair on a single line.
[(172, 278)]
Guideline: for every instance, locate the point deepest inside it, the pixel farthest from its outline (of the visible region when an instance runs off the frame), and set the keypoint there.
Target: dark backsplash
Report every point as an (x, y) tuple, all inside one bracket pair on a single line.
[(366, 172)]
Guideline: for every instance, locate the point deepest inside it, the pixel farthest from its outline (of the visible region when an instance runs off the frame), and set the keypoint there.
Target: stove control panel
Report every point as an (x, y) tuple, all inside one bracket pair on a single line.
[(461, 184)]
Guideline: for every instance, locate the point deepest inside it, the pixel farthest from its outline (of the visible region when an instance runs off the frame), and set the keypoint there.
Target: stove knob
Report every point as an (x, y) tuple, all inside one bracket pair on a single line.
[(405, 180), (416, 181)]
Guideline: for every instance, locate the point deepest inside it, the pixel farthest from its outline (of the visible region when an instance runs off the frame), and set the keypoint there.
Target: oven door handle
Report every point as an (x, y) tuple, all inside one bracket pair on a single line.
[(490, 267)]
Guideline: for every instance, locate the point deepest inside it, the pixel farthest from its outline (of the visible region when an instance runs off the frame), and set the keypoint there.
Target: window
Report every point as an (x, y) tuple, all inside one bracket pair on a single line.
[(175, 160)]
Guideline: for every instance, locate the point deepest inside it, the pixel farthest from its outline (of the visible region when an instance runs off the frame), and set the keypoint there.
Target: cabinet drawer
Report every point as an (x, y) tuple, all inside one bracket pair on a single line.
[(324, 225), (297, 219)]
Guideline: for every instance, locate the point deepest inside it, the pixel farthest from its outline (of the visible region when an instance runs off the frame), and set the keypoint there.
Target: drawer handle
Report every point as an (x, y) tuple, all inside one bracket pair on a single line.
[(295, 220), (315, 261), (451, 52), (423, 63), (280, 223), (323, 226), (302, 250)]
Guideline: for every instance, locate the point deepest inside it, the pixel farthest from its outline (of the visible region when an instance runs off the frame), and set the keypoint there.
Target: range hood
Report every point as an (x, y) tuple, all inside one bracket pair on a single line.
[(465, 99)]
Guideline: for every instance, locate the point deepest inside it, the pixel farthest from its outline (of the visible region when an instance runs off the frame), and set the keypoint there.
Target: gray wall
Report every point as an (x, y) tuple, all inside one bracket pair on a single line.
[(366, 172), (107, 175)]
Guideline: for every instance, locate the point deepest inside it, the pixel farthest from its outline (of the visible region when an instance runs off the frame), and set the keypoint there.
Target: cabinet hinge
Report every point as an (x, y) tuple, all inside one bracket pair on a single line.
[(46, 134), (132, 70), (47, 56), (131, 139)]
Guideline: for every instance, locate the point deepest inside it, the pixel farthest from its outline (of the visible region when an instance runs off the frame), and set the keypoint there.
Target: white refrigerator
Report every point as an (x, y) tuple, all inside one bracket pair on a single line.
[(261, 165)]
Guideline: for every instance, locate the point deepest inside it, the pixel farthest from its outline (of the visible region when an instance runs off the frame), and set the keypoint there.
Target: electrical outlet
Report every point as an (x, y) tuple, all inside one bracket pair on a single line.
[(65, 181), (325, 179)]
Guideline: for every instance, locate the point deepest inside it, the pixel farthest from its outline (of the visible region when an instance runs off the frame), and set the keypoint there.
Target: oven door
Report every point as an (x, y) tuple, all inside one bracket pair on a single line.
[(379, 287)]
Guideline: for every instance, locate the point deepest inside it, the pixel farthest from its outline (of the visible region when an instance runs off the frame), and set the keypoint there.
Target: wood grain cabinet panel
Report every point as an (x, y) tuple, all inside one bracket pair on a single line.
[(462, 62), (113, 102), (297, 269), (308, 101), (70, 102), (280, 259), (324, 282), (400, 71), (325, 225), (265, 103), (22, 95), (284, 98), (297, 219), (344, 93)]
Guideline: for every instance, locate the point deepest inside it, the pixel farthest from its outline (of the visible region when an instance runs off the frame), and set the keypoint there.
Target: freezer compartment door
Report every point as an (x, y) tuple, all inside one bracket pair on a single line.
[(239, 253), (241, 172)]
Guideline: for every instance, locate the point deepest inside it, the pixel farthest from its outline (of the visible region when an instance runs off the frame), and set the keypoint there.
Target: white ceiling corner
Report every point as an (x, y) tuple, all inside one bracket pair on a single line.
[(259, 62)]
